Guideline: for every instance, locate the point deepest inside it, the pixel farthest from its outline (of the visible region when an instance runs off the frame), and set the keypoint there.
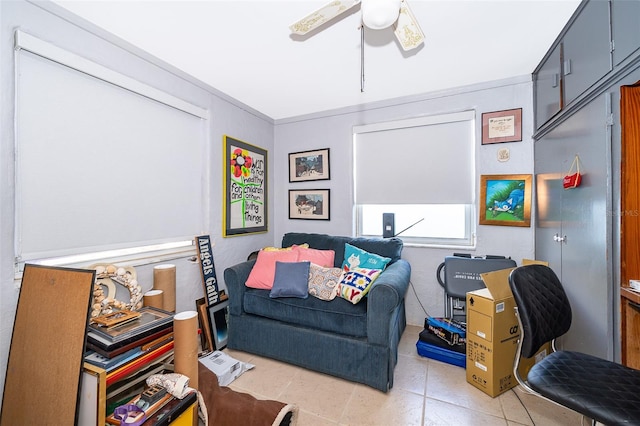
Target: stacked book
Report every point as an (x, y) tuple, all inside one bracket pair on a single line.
[(123, 347)]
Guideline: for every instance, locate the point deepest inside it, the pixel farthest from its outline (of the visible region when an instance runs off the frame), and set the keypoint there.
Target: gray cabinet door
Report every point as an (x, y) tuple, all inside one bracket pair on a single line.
[(625, 28), (581, 218), (587, 56), (547, 88)]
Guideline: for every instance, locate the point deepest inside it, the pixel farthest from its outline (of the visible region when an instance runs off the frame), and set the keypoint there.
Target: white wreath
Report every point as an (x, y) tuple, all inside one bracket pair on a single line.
[(108, 275)]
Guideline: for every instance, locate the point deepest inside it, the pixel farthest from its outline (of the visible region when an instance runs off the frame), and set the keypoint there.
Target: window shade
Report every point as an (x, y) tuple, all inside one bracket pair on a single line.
[(426, 160), (102, 167)]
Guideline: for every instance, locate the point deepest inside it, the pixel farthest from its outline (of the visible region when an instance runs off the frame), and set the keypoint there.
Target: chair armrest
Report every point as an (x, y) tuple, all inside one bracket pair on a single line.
[(386, 294), (235, 278)]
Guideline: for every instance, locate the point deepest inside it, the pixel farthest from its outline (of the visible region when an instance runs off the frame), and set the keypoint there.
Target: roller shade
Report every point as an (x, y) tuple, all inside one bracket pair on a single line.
[(426, 160), (102, 162)]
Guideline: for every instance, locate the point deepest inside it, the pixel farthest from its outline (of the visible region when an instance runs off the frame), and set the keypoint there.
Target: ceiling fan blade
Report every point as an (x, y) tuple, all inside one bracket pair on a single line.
[(407, 30), (322, 15)]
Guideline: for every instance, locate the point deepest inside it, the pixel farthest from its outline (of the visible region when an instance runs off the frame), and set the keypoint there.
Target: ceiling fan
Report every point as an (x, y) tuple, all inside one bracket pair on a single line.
[(376, 15)]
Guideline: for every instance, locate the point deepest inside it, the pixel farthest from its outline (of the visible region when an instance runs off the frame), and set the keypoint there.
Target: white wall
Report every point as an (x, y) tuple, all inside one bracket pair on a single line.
[(334, 130), (227, 117)]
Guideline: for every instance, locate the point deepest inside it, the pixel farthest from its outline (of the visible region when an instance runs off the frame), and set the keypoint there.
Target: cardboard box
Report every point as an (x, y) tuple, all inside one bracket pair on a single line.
[(492, 336)]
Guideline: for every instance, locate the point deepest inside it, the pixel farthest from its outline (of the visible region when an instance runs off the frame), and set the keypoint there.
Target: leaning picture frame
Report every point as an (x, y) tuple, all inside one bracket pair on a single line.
[(206, 336), (505, 200), (311, 204), (309, 165)]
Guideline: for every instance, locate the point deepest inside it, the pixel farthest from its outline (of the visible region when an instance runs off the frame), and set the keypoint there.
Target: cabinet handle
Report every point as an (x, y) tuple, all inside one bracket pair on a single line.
[(567, 67), (558, 239), (554, 82), (634, 305)]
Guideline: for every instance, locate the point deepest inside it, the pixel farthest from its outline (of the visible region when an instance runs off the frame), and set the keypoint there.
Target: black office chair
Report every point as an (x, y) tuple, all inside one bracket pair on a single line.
[(605, 391)]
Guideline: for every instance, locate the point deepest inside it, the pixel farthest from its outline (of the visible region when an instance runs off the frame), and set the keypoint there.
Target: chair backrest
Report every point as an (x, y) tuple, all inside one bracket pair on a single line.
[(543, 306), (462, 274)]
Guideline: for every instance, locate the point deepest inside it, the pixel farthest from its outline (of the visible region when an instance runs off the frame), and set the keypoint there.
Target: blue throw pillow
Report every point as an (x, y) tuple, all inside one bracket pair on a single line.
[(291, 280), (355, 257)]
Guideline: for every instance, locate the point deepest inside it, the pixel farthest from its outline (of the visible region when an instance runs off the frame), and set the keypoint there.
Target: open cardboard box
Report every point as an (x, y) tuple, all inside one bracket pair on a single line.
[(493, 333)]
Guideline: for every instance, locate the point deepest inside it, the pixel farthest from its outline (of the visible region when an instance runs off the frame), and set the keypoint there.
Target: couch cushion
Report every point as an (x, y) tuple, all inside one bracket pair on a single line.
[(323, 282), (318, 241), (338, 316), (324, 258), (386, 247), (356, 283), (291, 280), (355, 257), (264, 270)]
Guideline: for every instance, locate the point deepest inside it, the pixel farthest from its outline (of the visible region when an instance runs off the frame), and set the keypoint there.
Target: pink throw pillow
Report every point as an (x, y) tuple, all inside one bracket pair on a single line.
[(323, 258), (264, 271)]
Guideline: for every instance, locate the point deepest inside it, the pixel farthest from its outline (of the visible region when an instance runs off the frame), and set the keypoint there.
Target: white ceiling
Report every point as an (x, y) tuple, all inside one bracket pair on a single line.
[(245, 49)]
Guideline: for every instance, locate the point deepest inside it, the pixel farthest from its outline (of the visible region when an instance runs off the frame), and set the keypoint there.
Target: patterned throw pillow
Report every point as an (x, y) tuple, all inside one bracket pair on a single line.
[(355, 257), (356, 283), (324, 282)]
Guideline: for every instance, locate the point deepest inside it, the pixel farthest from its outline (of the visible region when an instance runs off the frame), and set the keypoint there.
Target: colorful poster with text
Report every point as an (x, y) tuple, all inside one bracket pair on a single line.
[(245, 188)]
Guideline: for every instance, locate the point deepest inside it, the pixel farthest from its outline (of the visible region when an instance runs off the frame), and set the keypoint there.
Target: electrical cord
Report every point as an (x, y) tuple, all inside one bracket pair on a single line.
[(523, 406), (418, 299)]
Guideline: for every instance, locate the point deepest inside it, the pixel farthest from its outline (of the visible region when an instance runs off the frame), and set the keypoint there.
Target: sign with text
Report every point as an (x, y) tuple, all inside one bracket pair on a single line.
[(245, 196), (214, 292), (245, 168)]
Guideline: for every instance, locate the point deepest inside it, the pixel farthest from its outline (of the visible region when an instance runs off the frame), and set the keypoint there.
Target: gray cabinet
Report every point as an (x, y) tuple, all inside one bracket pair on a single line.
[(573, 227), (548, 93), (625, 29), (581, 57), (586, 49)]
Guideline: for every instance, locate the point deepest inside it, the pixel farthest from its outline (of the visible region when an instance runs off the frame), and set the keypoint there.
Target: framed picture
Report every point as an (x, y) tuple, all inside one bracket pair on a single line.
[(502, 126), (505, 200), (309, 165), (206, 337), (311, 204), (245, 188)]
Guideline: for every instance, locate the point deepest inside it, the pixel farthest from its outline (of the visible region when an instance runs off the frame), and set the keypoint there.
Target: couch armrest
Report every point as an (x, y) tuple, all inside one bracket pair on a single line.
[(388, 291), (235, 277)]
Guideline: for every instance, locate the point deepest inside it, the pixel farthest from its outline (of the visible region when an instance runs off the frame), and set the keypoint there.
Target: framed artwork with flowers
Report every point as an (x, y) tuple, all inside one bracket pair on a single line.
[(245, 188)]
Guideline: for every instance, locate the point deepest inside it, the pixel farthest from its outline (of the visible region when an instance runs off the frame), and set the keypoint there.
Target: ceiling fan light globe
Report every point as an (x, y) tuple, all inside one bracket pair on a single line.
[(379, 14)]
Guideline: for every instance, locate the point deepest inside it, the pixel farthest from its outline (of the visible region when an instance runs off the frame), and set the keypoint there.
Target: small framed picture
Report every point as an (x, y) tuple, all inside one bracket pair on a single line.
[(309, 165), (502, 126), (505, 200), (313, 204)]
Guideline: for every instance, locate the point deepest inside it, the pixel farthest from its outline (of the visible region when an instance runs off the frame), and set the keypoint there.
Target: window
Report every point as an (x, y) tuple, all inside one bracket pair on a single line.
[(100, 160), (422, 170)]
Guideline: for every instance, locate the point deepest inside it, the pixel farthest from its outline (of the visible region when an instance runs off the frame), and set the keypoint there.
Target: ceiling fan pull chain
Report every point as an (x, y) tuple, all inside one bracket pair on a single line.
[(362, 58)]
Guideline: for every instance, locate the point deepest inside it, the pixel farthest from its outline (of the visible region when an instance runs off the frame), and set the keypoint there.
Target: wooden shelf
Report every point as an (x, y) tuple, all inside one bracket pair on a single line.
[(630, 327)]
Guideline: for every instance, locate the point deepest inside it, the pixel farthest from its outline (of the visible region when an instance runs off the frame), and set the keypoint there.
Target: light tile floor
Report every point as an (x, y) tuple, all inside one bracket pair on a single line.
[(425, 392)]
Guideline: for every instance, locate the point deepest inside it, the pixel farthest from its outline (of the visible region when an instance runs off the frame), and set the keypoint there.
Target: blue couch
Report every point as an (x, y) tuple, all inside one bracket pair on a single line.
[(355, 342)]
